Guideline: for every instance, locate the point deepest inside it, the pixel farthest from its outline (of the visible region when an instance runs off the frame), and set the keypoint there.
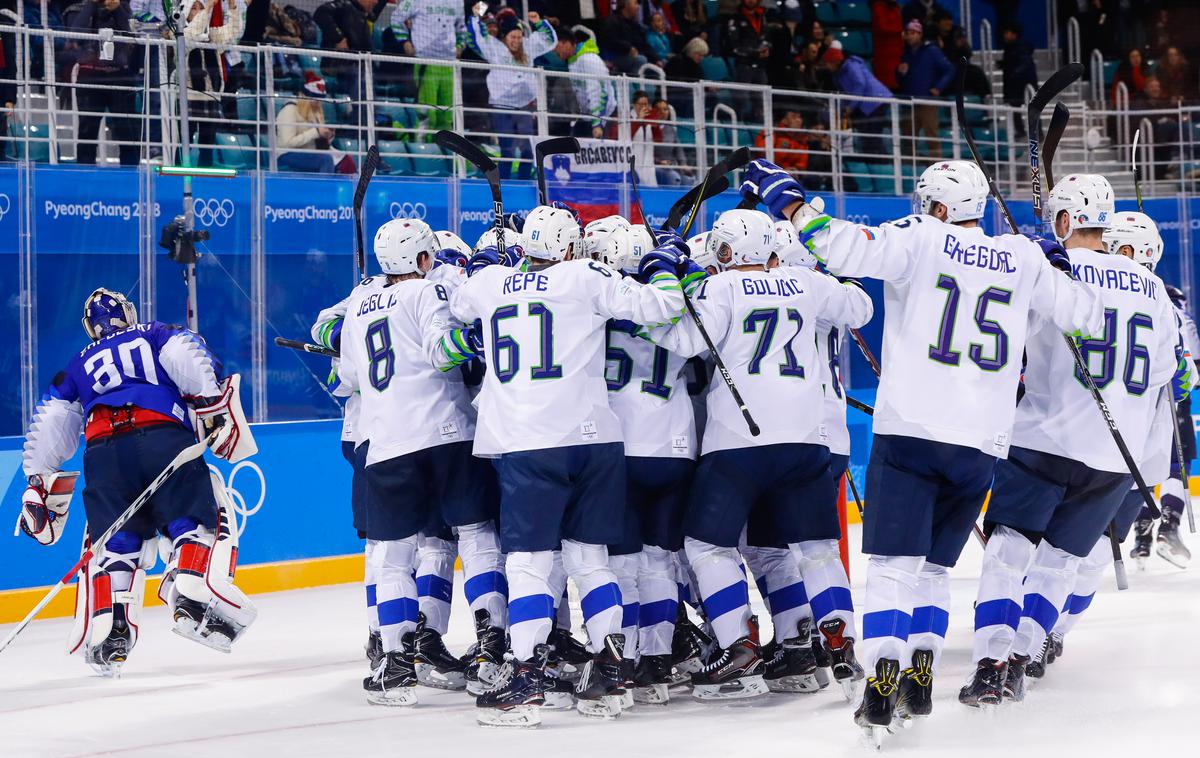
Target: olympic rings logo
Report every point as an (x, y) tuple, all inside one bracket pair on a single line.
[(213, 212), (5, 205), (407, 210), (238, 500)]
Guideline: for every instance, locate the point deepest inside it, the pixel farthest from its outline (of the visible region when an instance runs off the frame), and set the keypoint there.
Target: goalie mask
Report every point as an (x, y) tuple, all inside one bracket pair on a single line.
[(106, 312), (1138, 232)]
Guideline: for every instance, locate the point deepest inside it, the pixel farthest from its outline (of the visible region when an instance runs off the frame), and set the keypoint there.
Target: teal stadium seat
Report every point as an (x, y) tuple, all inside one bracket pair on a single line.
[(854, 41), (854, 13), (234, 151), (392, 153), (860, 174), (428, 159), (714, 69)]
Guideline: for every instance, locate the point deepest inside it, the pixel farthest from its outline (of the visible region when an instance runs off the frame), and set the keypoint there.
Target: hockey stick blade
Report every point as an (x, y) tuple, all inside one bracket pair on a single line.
[(702, 191), (1054, 86), (1058, 125), (305, 347), (460, 145), (370, 163), (552, 146), (961, 109), (1137, 168)]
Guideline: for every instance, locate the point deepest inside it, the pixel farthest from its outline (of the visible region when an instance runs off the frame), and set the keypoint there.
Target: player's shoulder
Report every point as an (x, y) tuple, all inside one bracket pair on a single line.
[(913, 222)]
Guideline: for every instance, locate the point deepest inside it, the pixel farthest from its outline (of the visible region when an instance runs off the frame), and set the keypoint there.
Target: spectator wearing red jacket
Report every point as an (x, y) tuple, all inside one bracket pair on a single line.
[(887, 37)]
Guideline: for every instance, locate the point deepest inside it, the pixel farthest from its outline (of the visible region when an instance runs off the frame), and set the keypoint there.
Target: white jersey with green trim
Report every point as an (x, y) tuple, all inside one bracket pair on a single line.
[(647, 390), (327, 326), (764, 324), (544, 344), (833, 412), (1131, 358), (394, 355), (957, 305)]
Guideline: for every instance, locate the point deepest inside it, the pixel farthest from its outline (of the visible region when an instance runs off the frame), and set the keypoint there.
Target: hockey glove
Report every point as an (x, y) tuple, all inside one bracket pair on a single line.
[(461, 345), (450, 257), (1054, 252), (774, 186), (1181, 383), (666, 258), (515, 221), (564, 207), (481, 260), (691, 275), (45, 504), (813, 233)]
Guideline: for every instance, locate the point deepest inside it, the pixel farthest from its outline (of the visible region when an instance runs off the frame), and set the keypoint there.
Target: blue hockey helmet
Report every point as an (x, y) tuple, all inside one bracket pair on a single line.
[(105, 312)]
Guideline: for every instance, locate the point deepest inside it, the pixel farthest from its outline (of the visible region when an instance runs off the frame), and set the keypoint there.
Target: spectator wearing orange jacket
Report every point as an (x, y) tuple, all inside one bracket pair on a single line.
[(790, 143)]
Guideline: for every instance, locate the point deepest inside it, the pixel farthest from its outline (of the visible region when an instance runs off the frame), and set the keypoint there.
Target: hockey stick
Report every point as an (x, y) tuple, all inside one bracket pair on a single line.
[(1054, 86), (1058, 125), (733, 162), (306, 347), (370, 163), (552, 146), (187, 455), (473, 154), (858, 501), (637, 198), (749, 202), (859, 405), (1179, 460)]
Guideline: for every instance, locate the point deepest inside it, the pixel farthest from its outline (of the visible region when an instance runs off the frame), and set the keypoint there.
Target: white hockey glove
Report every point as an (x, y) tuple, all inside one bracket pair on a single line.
[(45, 504)]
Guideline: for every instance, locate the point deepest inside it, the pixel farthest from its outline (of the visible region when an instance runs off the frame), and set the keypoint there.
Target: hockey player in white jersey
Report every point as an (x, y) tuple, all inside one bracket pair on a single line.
[(544, 418), (399, 347), (1064, 478), (139, 393), (808, 583), (957, 304), (776, 485)]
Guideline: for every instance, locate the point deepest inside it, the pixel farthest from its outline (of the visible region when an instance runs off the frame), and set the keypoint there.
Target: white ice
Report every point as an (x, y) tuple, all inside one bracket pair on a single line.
[(1127, 685)]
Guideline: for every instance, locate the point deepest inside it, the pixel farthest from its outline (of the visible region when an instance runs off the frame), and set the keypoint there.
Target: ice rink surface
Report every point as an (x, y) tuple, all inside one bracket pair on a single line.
[(292, 687)]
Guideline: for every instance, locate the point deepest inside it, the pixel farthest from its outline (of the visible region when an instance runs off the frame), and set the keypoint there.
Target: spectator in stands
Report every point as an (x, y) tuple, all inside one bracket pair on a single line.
[(300, 125), (1175, 74), (692, 17), (819, 176), (1133, 72), (641, 132), (346, 26), (1165, 126), (789, 142), (597, 98), (923, 73), (813, 74), (685, 67), (662, 8), (743, 36), (658, 39), (887, 38), (513, 94), (670, 160), (282, 29), (1019, 70), (1097, 29), (432, 29), (623, 39), (214, 75), (97, 69), (921, 10), (869, 118)]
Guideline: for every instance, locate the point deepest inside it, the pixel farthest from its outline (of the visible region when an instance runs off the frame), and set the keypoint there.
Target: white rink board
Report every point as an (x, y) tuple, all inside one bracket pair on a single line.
[(292, 687)]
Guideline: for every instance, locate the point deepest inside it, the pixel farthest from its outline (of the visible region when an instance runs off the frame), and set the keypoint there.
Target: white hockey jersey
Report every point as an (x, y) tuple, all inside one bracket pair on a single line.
[(1131, 358), (326, 331), (647, 390), (544, 343), (436, 28), (764, 325), (833, 411), (393, 355), (957, 304)]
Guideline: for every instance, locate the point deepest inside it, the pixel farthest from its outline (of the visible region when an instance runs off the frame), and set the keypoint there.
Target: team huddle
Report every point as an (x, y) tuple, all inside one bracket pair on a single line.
[(547, 407)]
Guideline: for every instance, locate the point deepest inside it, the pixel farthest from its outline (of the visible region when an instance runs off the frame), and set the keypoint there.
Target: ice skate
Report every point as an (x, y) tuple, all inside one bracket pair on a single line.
[(515, 702), (916, 688), (374, 649), (1169, 546), (394, 680), (435, 666), (601, 683), (874, 714), (986, 687), (480, 672), (735, 674), (200, 623), (845, 666), (572, 653), (1143, 531), (1036, 668), (110, 655), (651, 680), (558, 690), (824, 660), (1014, 679), (791, 666), (688, 647)]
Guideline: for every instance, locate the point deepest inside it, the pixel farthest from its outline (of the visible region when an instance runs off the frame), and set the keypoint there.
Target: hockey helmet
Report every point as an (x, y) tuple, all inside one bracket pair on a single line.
[(742, 238), (1087, 200), (1137, 231), (105, 312), (399, 244), (958, 185)]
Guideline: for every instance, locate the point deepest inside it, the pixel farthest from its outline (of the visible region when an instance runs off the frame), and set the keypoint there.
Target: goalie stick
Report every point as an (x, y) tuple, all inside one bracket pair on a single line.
[(370, 163), (305, 347), (552, 146)]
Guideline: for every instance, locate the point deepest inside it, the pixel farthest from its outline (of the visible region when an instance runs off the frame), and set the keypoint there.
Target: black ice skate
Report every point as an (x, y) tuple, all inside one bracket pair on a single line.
[(651, 679), (1054, 647), (436, 667), (986, 687), (1036, 668), (108, 657), (846, 669), (519, 692), (1168, 545), (199, 623), (916, 688), (689, 645), (602, 682), (878, 706), (1014, 679), (734, 674), (628, 674), (394, 680), (558, 689), (1143, 535), (792, 666), (567, 649), (374, 649), (824, 660), (481, 671)]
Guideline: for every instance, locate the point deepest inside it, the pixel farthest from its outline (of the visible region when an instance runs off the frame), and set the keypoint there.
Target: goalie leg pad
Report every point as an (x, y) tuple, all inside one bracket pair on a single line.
[(109, 602)]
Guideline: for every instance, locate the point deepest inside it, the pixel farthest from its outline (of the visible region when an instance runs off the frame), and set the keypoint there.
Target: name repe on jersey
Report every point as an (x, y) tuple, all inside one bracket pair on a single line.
[(957, 306), (1131, 358), (764, 324), (544, 345), (391, 343)]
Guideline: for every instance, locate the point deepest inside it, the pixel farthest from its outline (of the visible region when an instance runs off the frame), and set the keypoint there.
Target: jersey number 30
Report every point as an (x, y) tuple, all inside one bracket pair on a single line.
[(105, 373)]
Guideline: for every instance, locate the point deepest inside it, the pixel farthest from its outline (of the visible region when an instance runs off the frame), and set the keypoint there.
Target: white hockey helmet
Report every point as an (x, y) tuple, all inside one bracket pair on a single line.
[(400, 242), (488, 239), (639, 243), (551, 234), (699, 253), (789, 249), (596, 233), (742, 238), (447, 239), (958, 185), (1087, 200), (1139, 232)]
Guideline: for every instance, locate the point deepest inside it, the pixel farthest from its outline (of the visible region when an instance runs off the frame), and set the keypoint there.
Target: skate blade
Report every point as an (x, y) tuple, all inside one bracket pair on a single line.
[(1140, 562), (822, 677), (517, 717), (190, 630), (799, 683), (607, 707), (873, 736), (559, 701), (1178, 561), (396, 697), (486, 681), (850, 688), (429, 676), (655, 694), (109, 670), (739, 689)]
